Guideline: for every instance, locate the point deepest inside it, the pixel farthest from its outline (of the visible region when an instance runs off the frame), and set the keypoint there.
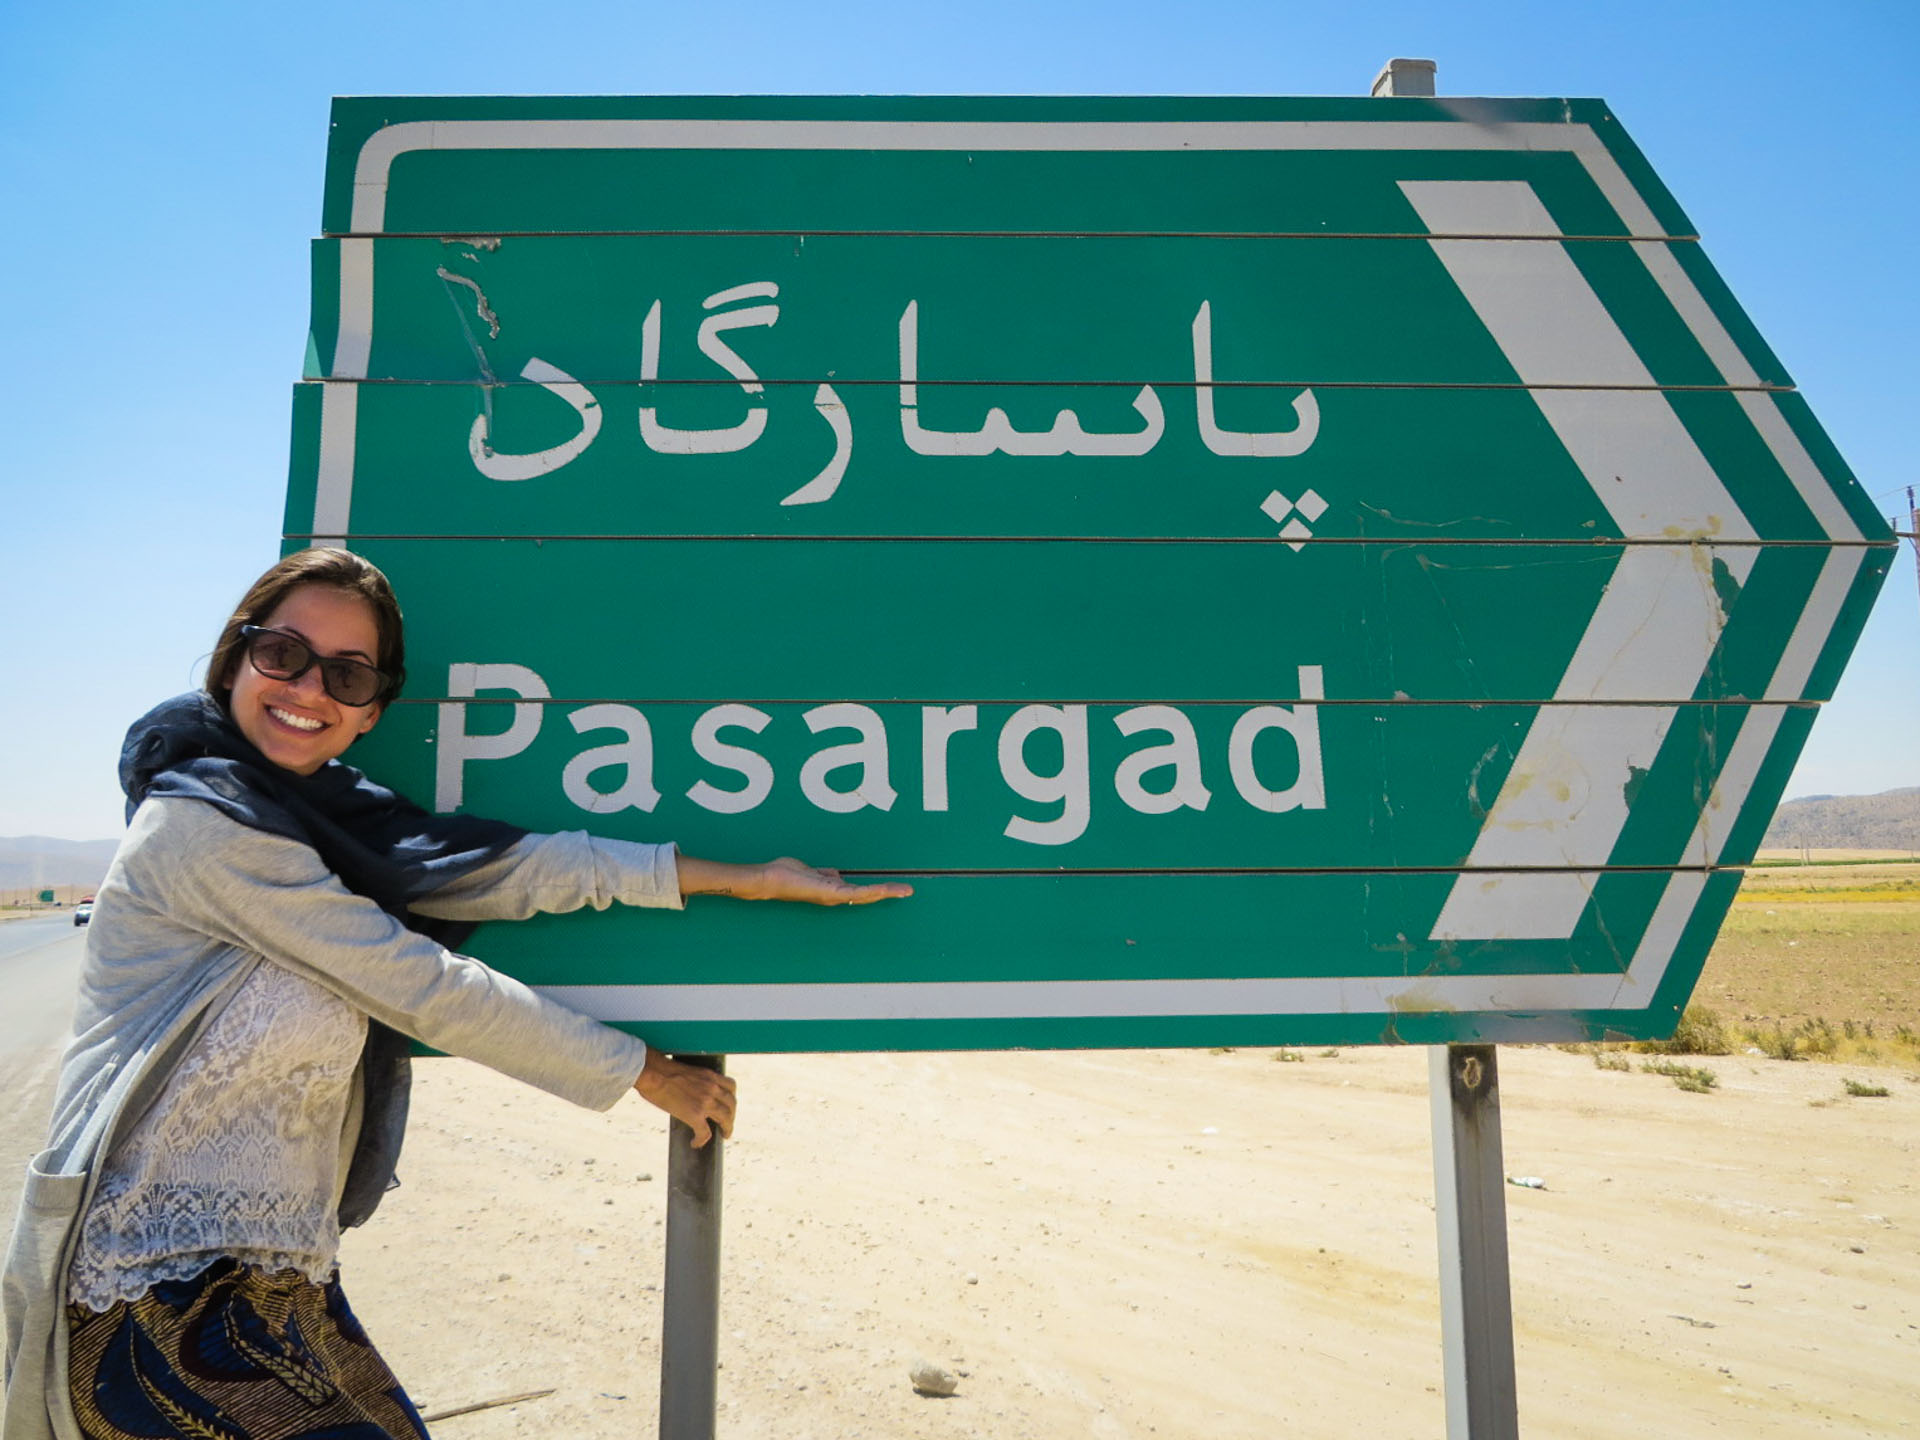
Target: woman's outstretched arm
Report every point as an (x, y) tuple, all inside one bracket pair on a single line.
[(567, 871)]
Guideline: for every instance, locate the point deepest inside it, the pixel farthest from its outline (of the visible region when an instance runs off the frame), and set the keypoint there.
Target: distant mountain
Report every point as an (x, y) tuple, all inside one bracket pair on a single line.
[(30, 862), (1887, 821)]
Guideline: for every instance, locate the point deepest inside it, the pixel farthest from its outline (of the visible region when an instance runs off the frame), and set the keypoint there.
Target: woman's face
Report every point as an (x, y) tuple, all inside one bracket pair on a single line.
[(295, 723)]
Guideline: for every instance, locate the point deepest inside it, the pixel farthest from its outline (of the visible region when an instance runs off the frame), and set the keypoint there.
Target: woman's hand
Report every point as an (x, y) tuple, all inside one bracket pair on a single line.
[(700, 1099), (791, 879), (782, 879)]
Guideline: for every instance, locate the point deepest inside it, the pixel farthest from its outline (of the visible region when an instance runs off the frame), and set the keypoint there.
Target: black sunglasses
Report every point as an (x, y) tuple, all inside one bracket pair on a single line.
[(280, 656)]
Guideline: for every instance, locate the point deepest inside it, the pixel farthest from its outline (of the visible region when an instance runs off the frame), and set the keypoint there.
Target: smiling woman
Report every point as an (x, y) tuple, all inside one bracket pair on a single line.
[(272, 931)]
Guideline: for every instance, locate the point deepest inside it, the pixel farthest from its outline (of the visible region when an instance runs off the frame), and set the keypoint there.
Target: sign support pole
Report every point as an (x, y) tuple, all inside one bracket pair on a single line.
[(1476, 1301), (1470, 1205), (690, 1309)]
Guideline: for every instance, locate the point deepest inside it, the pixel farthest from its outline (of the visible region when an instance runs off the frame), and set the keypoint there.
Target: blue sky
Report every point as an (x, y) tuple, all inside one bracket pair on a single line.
[(160, 172)]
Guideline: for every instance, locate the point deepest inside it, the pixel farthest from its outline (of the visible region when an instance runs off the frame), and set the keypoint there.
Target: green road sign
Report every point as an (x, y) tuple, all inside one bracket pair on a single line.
[(1281, 571)]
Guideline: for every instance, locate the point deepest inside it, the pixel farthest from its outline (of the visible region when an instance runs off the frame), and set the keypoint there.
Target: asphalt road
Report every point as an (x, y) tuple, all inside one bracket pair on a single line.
[(39, 966), (39, 963)]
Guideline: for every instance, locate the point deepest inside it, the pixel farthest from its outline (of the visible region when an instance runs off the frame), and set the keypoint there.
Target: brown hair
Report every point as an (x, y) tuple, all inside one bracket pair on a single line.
[(322, 565)]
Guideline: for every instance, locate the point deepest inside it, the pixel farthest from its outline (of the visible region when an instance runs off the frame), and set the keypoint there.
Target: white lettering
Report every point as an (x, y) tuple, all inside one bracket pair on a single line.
[(869, 752), (996, 433), (1302, 722), (496, 466), (1069, 786), (635, 754), (938, 725), (1306, 409), (715, 751), (1181, 753), (1161, 777), (454, 746), (670, 441)]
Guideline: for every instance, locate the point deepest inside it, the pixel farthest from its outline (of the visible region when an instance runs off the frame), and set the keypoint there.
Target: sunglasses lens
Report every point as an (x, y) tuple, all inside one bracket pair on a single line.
[(284, 657), (350, 682), (279, 656)]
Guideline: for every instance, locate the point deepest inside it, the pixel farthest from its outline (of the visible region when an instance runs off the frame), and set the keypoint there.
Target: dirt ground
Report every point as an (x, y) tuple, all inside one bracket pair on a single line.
[(1165, 1243), (1840, 942), (1825, 856)]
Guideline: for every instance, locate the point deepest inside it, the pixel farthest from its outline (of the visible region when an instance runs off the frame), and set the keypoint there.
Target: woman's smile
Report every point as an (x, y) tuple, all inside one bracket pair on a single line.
[(294, 720), (298, 722)]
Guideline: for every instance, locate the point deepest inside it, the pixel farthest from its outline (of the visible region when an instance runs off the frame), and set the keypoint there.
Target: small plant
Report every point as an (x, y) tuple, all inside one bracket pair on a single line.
[(1221, 1050), (1329, 1054), (1776, 1044), (1289, 1057), (1611, 1060), (1864, 1091), (1691, 1078), (1819, 1037), (1700, 1032)]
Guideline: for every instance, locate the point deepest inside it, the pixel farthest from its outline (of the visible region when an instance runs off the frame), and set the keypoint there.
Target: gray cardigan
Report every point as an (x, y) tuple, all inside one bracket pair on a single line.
[(193, 902)]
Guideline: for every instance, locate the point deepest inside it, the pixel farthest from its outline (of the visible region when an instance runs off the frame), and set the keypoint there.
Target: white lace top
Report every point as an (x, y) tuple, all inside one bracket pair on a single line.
[(239, 1156)]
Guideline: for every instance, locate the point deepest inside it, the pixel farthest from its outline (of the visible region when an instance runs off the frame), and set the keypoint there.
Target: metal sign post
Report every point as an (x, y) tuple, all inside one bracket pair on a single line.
[(690, 1309), (1470, 1206)]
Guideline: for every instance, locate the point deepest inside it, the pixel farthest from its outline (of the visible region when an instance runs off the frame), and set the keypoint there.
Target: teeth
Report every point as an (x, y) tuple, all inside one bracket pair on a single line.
[(299, 722)]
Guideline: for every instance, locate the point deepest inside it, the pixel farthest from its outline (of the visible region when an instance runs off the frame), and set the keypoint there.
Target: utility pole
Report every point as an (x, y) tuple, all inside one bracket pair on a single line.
[(1913, 530)]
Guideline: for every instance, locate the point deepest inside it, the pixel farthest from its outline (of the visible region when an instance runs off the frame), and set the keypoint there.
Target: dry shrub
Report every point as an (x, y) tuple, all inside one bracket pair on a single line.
[(1691, 1078), (1821, 1039), (1776, 1044), (1700, 1032)]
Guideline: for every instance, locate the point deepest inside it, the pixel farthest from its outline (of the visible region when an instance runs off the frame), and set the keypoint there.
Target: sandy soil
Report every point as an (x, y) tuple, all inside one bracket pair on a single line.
[(1167, 1243), (1163, 1244)]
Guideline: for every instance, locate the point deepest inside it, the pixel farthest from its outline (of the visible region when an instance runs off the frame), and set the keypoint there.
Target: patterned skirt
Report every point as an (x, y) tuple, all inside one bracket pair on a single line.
[(233, 1354)]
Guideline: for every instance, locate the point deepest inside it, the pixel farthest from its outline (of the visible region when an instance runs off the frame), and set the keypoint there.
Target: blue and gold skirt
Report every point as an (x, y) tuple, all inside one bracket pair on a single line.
[(233, 1354)]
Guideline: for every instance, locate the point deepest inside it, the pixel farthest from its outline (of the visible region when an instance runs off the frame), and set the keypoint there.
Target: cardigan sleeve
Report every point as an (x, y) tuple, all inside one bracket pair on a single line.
[(556, 873), (275, 897)]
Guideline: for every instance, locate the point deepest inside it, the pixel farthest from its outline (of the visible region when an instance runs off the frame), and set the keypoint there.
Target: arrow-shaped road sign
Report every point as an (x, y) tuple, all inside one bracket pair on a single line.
[(1271, 570)]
